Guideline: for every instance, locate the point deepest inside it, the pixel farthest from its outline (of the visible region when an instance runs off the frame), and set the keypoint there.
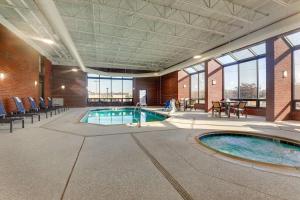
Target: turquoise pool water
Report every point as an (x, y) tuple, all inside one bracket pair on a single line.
[(121, 116), (255, 148)]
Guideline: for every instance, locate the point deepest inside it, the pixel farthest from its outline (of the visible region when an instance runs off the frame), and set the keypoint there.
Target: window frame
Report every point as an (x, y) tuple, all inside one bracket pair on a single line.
[(190, 92), (294, 101), (257, 99), (110, 100)]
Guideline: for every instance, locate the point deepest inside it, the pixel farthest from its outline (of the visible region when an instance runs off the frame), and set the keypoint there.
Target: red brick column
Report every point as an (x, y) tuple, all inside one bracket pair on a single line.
[(279, 89), (213, 92)]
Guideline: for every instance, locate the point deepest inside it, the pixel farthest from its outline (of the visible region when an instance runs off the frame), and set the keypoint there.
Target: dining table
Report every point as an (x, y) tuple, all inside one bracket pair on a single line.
[(228, 105)]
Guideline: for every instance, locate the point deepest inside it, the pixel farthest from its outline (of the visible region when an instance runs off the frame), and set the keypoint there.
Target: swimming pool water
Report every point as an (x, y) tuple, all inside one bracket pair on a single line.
[(121, 116), (255, 148)]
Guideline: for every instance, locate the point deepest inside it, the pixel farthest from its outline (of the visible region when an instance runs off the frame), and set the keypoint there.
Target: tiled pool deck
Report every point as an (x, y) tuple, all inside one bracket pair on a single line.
[(61, 158)]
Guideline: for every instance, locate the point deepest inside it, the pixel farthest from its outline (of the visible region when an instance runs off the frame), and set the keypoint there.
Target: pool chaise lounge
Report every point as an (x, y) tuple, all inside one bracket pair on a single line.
[(35, 109), (21, 110), (5, 119)]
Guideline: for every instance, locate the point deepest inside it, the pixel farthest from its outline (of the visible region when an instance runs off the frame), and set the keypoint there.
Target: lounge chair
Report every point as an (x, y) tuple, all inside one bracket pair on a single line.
[(21, 112), (217, 107), (35, 109), (241, 109), (191, 104), (4, 119), (167, 105), (43, 106)]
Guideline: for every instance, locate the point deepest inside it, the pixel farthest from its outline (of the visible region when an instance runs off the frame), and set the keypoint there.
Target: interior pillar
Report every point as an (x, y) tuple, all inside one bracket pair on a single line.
[(278, 80), (213, 83)]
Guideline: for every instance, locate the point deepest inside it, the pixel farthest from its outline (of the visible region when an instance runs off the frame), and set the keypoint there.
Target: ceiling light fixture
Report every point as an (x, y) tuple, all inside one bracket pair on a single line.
[(2, 76), (45, 40), (197, 56), (74, 70)]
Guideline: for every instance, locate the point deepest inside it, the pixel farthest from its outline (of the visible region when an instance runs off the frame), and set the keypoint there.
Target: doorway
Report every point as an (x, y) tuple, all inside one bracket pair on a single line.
[(143, 97)]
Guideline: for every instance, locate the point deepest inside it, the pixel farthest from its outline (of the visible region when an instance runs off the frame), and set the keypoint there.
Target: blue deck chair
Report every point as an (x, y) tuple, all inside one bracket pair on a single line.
[(167, 105), (35, 109), (21, 110), (4, 119), (45, 107)]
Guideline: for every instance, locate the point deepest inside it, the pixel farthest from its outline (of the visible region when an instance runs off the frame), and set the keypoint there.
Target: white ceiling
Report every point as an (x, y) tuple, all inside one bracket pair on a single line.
[(142, 34)]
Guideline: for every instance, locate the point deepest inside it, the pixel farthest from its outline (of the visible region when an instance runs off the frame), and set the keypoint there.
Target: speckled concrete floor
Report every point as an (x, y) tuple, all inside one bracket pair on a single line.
[(61, 158)]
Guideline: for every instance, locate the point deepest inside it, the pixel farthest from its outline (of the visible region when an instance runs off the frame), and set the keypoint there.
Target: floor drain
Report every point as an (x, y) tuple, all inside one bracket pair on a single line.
[(183, 193)]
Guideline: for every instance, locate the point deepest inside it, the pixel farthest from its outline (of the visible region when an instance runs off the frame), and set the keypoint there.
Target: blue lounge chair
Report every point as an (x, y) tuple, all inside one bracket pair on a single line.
[(43, 106), (5, 119), (49, 107), (167, 105), (35, 109), (21, 110)]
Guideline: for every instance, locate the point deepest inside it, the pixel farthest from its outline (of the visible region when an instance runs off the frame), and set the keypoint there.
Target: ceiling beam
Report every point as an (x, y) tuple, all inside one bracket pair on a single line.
[(210, 8), (145, 59), (144, 41), (139, 30), (49, 10), (154, 55), (281, 2), (165, 19)]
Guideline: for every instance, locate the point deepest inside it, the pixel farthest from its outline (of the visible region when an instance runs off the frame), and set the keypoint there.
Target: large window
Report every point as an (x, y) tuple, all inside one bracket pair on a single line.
[(294, 41), (246, 81), (231, 82), (245, 74), (296, 93), (109, 90), (194, 86), (197, 83)]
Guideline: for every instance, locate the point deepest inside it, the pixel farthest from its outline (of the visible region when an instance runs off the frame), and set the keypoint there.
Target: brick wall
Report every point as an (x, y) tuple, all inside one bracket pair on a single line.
[(213, 71), (169, 87), (20, 65), (75, 92), (152, 85), (279, 93)]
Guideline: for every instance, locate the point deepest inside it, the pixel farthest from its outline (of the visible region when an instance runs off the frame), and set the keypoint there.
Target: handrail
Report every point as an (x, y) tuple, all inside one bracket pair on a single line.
[(138, 105)]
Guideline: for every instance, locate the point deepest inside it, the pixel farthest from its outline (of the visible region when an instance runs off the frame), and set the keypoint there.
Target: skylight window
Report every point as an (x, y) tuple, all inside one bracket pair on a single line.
[(242, 54), (199, 67), (226, 59), (259, 49), (190, 70), (93, 75), (294, 38)]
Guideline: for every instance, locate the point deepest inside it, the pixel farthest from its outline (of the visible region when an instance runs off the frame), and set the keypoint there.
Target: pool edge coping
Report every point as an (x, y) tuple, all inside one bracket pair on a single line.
[(259, 165), (81, 116)]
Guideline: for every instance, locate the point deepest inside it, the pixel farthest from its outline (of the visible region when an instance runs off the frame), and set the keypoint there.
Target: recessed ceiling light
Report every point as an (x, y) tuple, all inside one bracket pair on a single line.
[(2, 76), (197, 56), (47, 41)]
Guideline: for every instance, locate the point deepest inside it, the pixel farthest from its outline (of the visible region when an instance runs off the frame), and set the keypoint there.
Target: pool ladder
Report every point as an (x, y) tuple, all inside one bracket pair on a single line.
[(138, 107)]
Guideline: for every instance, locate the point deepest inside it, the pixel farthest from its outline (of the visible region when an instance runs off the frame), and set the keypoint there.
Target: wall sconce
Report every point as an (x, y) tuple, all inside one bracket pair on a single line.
[(2, 76), (35, 83), (284, 74), (184, 86), (213, 82), (63, 87), (74, 70)]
